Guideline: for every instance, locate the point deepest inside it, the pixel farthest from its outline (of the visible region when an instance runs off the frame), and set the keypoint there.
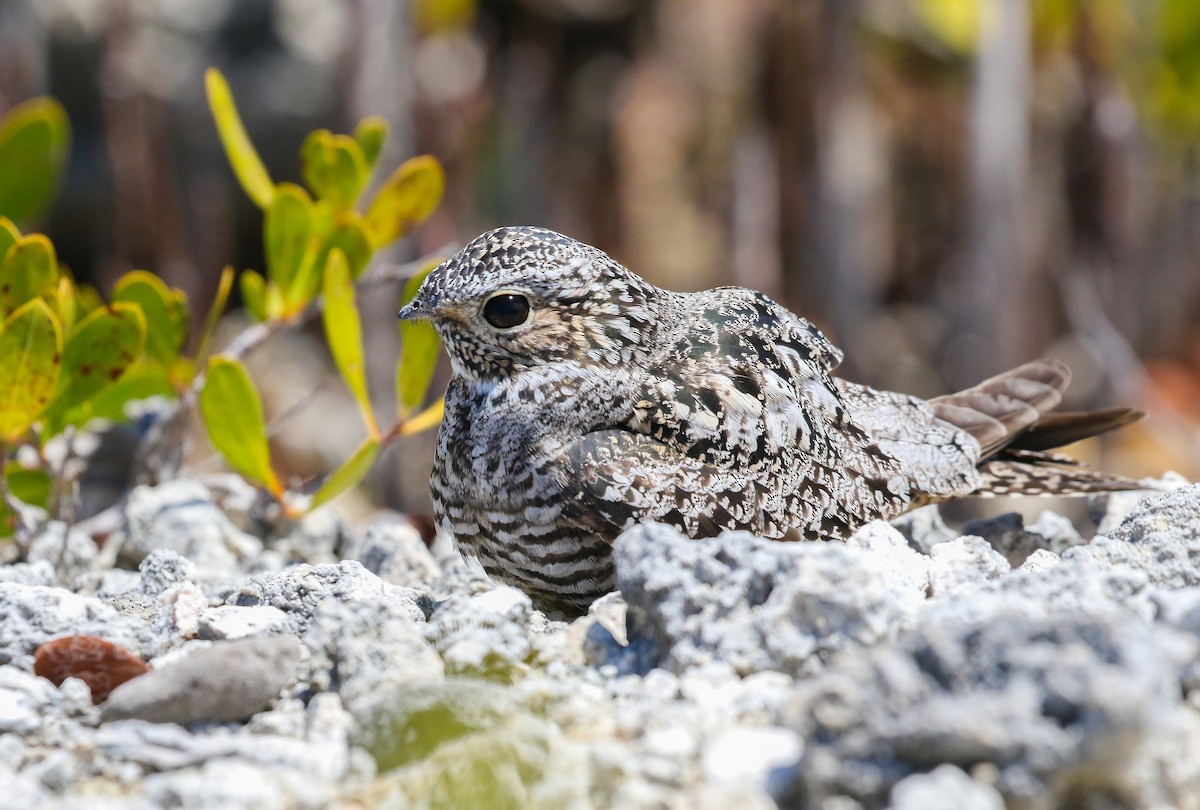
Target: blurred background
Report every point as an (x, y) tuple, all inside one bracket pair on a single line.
[(947, 187)]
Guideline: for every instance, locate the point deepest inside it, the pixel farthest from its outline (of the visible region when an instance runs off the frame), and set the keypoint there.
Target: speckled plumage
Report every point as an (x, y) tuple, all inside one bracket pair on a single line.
[(617, 402)]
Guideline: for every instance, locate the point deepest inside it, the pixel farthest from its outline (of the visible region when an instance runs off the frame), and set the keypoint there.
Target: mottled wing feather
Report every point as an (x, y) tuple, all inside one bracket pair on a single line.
[(621, 478), (744, 383), (938, 458)]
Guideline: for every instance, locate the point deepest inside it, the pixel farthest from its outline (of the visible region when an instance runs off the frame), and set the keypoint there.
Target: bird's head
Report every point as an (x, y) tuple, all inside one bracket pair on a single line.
[(520, 297)]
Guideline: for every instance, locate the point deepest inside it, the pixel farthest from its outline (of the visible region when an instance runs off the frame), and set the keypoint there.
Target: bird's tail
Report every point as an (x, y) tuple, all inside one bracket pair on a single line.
[(1010, 417)]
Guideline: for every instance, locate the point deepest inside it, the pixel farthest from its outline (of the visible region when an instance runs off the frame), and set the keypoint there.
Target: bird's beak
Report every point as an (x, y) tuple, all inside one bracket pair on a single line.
[(413, 309)]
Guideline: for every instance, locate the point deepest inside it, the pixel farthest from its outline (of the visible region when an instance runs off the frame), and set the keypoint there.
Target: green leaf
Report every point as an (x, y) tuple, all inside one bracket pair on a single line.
[(86, 299), (8, 236), (353, 470), (351, 238), (98, 352), (165, 311), (405, 200), (418, 352), (426, 419), (29, 270), (34, 138), (233, 418), (343, 330), (246, 163), (254, 294), (288, 240), (334, 167), (30, 362), (142, 381), (219, 302), (371, 133), (65, 304)]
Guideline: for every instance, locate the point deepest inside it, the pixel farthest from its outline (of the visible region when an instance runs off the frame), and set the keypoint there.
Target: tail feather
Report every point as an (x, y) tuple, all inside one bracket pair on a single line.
[(1025, 478), (1009, 416), (1062, 428), (998, 409)]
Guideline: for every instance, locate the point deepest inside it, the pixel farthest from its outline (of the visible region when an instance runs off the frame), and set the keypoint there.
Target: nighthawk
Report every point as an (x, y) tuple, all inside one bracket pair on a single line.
[(585, 399)]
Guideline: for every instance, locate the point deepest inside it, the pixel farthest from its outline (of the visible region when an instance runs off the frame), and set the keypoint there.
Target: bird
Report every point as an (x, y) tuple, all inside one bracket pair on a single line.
[(584, 399)]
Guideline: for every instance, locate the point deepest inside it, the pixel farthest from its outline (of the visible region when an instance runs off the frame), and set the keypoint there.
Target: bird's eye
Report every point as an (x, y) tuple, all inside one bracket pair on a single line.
[(506, 310)]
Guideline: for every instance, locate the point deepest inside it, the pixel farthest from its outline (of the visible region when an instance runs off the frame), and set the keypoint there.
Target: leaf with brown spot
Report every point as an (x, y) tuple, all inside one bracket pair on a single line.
[(99, 350), (102, 665), (30, 364), (29, 269)]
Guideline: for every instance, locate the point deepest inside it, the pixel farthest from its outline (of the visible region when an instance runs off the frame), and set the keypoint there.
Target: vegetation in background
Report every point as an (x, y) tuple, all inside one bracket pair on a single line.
[(319, 244), (68, 357)]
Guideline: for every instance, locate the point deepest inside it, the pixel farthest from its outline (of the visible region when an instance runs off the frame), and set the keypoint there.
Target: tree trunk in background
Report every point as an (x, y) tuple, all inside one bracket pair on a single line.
[(993, 329), (852, 224)]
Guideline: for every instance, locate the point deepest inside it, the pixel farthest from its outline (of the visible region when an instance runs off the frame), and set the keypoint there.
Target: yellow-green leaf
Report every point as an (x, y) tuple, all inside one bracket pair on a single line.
[(86, 299), (418, 352), (254, 294), (426, 419), (30, 362), (343, 331), (8, 236), (288, 240), (351, 238), (247, 165), (165, 311), (34, 138), (371, 133), (334, 167), (98, 352), (405, 200), (29, 270), (353, 470), (219, 302), (143, 381), (233, 418), (65, 302)]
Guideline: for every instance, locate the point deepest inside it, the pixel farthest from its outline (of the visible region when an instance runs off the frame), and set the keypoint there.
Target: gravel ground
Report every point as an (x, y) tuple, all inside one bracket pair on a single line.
[(326, 665)]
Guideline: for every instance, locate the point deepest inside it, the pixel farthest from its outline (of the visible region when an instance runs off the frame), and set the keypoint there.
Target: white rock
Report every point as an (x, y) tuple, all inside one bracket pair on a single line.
[(744, 754)]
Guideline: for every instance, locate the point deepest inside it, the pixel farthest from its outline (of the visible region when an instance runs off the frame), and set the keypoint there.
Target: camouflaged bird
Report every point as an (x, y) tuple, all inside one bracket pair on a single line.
[(585, 399)]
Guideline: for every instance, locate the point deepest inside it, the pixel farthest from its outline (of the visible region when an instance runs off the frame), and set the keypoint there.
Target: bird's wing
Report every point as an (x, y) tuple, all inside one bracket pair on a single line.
[(618, 478), (937, 458), (745, 383)]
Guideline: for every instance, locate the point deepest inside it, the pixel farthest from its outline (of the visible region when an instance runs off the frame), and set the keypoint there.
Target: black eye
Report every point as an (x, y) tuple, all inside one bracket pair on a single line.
[(506, 310)]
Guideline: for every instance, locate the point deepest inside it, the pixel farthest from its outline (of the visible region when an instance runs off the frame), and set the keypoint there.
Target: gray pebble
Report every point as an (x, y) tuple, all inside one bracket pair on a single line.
[(226, 682)]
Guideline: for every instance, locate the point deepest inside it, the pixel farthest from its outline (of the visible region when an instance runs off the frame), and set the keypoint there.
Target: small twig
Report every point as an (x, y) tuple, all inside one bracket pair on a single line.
[(386, 273)]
